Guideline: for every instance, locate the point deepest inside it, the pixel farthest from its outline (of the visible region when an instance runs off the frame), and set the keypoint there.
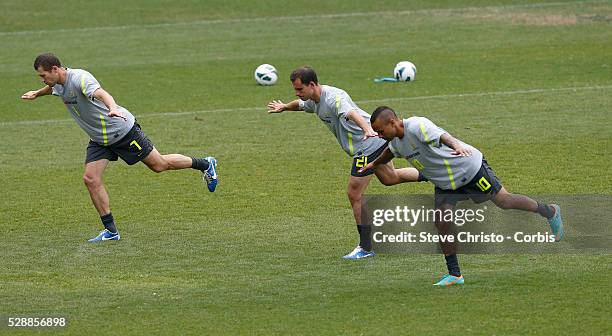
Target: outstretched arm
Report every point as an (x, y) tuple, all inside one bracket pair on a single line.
[(383, 158), (277, 106), (451, 142), (31, 95), (109, 101), (368, 132)]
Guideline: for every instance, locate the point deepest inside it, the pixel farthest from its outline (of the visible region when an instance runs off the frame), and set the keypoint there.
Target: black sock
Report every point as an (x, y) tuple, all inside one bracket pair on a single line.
[(199, 163), (109, 222), (365, 238), (422, 178), (453, 265), (545, 210)]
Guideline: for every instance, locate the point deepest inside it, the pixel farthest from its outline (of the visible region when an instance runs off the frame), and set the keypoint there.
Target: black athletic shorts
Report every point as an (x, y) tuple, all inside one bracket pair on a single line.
[(483, 187), (362, 160), (132, 148)]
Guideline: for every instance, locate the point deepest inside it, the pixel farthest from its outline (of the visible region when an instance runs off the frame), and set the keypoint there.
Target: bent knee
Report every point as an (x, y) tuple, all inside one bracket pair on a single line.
[(158, 168), (92, 180), (389, 181), (504, 202)]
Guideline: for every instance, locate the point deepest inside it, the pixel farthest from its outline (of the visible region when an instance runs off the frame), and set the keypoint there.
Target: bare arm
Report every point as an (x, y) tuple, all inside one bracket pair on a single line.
[(277, 106), (451, 142), (31, 95), (368, 132), (109, 101)]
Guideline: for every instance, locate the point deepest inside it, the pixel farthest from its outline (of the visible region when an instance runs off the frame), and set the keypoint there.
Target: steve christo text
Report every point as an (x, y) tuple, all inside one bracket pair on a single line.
[(463, 237)]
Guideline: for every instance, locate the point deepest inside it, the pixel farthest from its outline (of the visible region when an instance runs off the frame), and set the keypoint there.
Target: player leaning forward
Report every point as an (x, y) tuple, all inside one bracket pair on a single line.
[(113, 133), (351, 127), (458, 171)]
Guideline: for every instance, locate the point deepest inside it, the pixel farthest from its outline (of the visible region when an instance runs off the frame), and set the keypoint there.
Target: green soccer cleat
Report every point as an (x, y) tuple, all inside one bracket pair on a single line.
[(556, 223), (449, 280)]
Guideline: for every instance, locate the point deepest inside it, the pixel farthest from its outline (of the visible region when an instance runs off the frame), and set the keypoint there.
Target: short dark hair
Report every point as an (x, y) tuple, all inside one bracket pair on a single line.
[(306, 74), (46, 61), (381, 110)]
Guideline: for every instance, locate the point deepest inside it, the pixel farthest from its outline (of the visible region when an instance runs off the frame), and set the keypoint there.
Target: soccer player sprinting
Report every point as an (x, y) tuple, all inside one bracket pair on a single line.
[(351, 127), (458, 171), (113, 133)]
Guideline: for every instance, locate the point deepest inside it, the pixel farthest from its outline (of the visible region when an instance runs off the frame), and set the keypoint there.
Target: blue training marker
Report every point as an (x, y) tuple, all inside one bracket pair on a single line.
[(385, 79)]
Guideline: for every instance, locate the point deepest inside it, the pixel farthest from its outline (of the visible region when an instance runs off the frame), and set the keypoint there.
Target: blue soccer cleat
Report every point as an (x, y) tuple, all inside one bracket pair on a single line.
[(105, 235), (556, 223), (210, 174), (359, 253), (449, 280)]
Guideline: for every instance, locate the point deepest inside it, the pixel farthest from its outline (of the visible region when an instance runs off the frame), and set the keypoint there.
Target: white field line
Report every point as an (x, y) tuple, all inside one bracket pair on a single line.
[(367, 101), (295, 18)]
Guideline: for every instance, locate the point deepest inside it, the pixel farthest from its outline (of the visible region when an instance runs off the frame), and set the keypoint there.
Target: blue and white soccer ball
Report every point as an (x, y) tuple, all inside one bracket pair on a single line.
[(405, 71), (266, 74)]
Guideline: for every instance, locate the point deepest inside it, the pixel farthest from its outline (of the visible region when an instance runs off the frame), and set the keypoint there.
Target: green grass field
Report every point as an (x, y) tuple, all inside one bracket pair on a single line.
[(529, 83)]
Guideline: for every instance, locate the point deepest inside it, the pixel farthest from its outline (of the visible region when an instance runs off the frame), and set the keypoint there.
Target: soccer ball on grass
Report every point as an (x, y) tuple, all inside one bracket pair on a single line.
[(405, 71), (266, 74)]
